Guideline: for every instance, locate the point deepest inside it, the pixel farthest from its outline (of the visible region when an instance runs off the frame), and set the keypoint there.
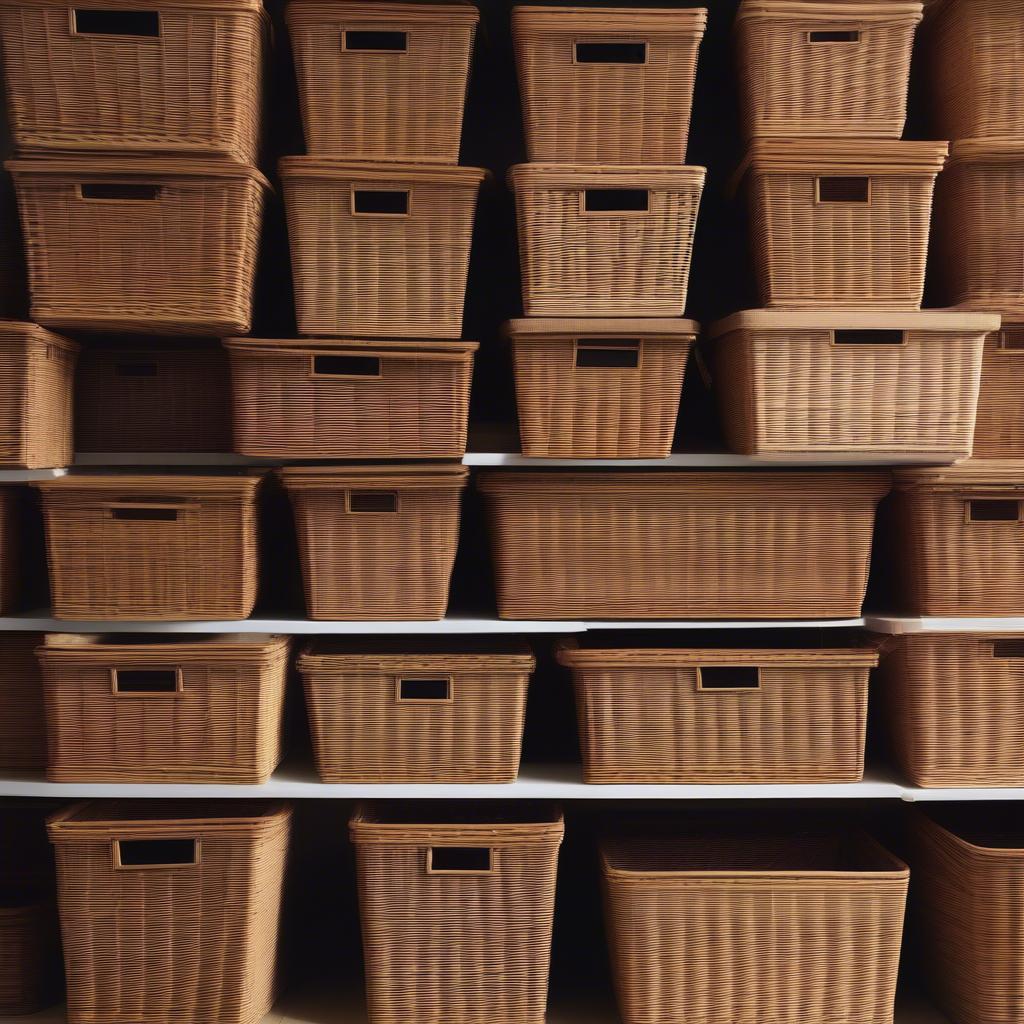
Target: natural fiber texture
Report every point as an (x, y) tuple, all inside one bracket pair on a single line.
[(373, 718), (11, 515), (22, 716), (351, 399), (126, 546), (854, 382), (154, 245), (609, 109), (809, 68), (469, 946), (161, 942), (662, 716), (361, 274), (596, 389), (999, 429), (376, 542), (720, 545), (204, 708), (363, 101), (579, 258), (27, 939)]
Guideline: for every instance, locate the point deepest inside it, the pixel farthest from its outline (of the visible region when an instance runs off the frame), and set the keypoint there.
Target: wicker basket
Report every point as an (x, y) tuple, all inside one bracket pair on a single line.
[(999, 428), (11, 515), (170, 244), (726, 928), (22, 714), (416, 710), (607, 86), (204, 708), (594, 389), (170, 910), (456, 910), (605, 241), (351, 399), (857, 382), (841, 223), (27, 938), (125, 546), (712, 715), (376, 542), (379, 249), (741, 545), (383, 81)]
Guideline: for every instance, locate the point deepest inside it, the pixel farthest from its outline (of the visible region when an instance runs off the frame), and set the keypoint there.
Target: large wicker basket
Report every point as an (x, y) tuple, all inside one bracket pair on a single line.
[(607, 86), (999, 427), (170, 910), (351, 399), (456, 910), (28, 940), (376, 542), (383, 81), (11, 516), (417, 709), (152, 547), (739, 545), (605, 241), (379, 249), (170, 244), (856, 382), (22, 714)]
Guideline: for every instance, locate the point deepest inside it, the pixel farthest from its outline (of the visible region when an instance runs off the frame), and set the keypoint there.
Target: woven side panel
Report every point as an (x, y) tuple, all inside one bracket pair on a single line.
[(22, 718), (999, 430), (26, 938), (10, 549)]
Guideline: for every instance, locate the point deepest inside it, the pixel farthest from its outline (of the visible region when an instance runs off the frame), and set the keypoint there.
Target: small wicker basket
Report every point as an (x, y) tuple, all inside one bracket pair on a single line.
[(22, 713), (999, 427), (28, 939)]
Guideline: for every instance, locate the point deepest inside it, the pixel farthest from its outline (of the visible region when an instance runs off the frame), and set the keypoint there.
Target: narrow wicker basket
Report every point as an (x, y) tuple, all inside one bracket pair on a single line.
[(22, 714), (416, 710), (456, 908), (605, 241), (376, 542), (11, 514), (825, 69), (999, 428), (720, 929), (599, 389), (379, 249), (607, 86), (171, 244), (206, 708), (126, 546), (383, 81), (857, 382), (841, 223), (718, 716), (169, 909), (351, 399), (741, 545), (27, 938)]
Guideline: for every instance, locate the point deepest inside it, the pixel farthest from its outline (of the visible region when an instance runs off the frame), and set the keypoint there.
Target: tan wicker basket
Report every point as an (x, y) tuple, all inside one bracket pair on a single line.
[(456, 908), (376, 542), (856, 382), (22, 714), (741, 545), (841, 223), (170, 244), (379, 249), (714, 715), (351, 399), (27, 938), (599, 389), (382, 81), (999, 428), (607, 86), (205, 708), (169, 909), (11, 516), (724, 928), (605, 241), (419, 709), (125, 546)]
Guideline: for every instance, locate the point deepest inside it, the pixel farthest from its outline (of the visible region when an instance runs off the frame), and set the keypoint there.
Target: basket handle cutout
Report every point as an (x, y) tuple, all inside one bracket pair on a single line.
[(375, 41), (155, 853), (375, 202), (145, 513), (729, 677), (346, 366), (117, 192), (834, 35), (1012, 341), (372, 501), (844, 189), (993, 510), (460, 860), (147, 680), (1008, 649), (430, 691), (611, 52), (616, 200), (868, 337), (88, 21), (608, 353), (136, 369)]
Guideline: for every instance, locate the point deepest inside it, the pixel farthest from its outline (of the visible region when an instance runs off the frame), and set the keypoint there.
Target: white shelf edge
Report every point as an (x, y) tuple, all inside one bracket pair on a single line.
[(24, 476), (896, 625)]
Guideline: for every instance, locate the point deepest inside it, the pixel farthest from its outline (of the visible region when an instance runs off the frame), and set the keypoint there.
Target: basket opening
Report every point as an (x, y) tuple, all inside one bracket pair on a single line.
[(993, 510), (616, 200), (346, 366), (844, 189), (851, 35), (1008, 649), (92, 22), (631, 52), (155, 514), (868, 337), (137, 853), (994, 825), (608, 353), (1012, 339), (119, 191), (424, 689), (146, 680), (376, 41), (373, 501), (389, 202), (731, 677), (136, 369), (459, 859)]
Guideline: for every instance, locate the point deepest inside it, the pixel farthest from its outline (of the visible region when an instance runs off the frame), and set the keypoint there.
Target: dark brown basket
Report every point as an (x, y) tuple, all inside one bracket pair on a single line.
[(12, 514), (22, 713), (28, 940)]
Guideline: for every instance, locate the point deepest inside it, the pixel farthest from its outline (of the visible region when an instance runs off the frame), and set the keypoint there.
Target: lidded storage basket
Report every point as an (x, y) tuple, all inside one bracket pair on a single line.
[(999, 427), (22, 714)]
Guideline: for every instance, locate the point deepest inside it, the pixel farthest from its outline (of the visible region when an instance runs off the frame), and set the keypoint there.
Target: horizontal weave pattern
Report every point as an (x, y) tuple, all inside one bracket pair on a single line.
[(22, 715), (27, 940), (999, 428), (11, 514)]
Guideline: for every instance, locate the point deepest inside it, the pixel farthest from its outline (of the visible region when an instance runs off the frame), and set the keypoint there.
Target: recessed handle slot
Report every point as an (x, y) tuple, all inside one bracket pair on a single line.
[(625, 52), (146, 680), (616, 200), (119, 192), (1008, 649), (610, 353), (381, 202), (834, 35), (1011, 340), (729, 677), (877, 337), (459, 860), (993, 510), (143, 514), (424, 689), (155, 853), (346, 366), (135, 369), (88, 21), (844, 189), (373, 501), (376, 41)]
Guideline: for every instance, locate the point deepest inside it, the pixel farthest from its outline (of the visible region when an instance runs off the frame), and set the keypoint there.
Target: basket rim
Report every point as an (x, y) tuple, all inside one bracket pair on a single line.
[(227, 6), (544, 327), (423, 12), (580, 175), (880, 10), (241, 481), (324, 345), (342, 169), (33, 332), (926, 821), (136, 167), (318, 656), (997, 472), (677, 20), (403, 477), (838, 319), (545, 825), (1008, 150), (90, 648)]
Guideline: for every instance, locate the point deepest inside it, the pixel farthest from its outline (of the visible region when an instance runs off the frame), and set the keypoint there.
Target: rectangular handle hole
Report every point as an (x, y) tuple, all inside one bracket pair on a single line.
[(1012, 340), (460, 859), (119, 191), (616, 200), (1008, 649), (993, 510), (868, 337), (135, 369), (729, 677), (156, 852), (393, 202), (844, 189), (851, 35), (146, 680), (92, 22), (162, 515), (373, 501), (424, 689), (376, 41), (611, 53), (615, 354), (346, 366)]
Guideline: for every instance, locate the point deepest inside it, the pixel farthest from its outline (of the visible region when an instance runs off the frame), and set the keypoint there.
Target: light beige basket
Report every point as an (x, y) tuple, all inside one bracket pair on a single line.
[(999, 428), (22, 714), (12, 514)]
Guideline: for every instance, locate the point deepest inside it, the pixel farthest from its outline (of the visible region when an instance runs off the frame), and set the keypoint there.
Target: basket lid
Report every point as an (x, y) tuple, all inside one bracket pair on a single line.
[(421, 12), (987, 151), (244, 481), (403, 477), (997, 473), (227, 6), (570, 654), (66, 166), (644, 327), (631, 20), (386, 173), (25, 332), (417, 654), (910, 11), (589, 176), (856, 319), (199, 648), (440, 823), (323, 346)]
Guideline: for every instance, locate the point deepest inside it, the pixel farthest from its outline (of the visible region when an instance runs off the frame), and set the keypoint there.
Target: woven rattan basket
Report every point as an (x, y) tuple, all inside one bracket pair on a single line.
[(11, 517), (741, 545), (607, 85), (351, 399), (170, 910), (383, 81), (379, 249), (126, 546), (456, 907), (595, 389), (999, 428), (856, 382), (170, 245), (376, 542), (27, 938), (22, 716), (416, 709), (605, 241), (205, 708)]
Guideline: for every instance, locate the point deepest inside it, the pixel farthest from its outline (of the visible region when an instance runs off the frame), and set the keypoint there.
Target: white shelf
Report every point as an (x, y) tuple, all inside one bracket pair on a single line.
[(899, 624), (24, 476)]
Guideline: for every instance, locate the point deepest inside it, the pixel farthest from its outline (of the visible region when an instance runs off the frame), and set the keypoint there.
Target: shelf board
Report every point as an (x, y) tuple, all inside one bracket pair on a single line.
[(896, 625), (23, 476)]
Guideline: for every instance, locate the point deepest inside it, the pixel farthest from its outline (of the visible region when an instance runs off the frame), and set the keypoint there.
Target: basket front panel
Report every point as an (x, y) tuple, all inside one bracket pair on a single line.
[(999, 430), (22, 717)]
